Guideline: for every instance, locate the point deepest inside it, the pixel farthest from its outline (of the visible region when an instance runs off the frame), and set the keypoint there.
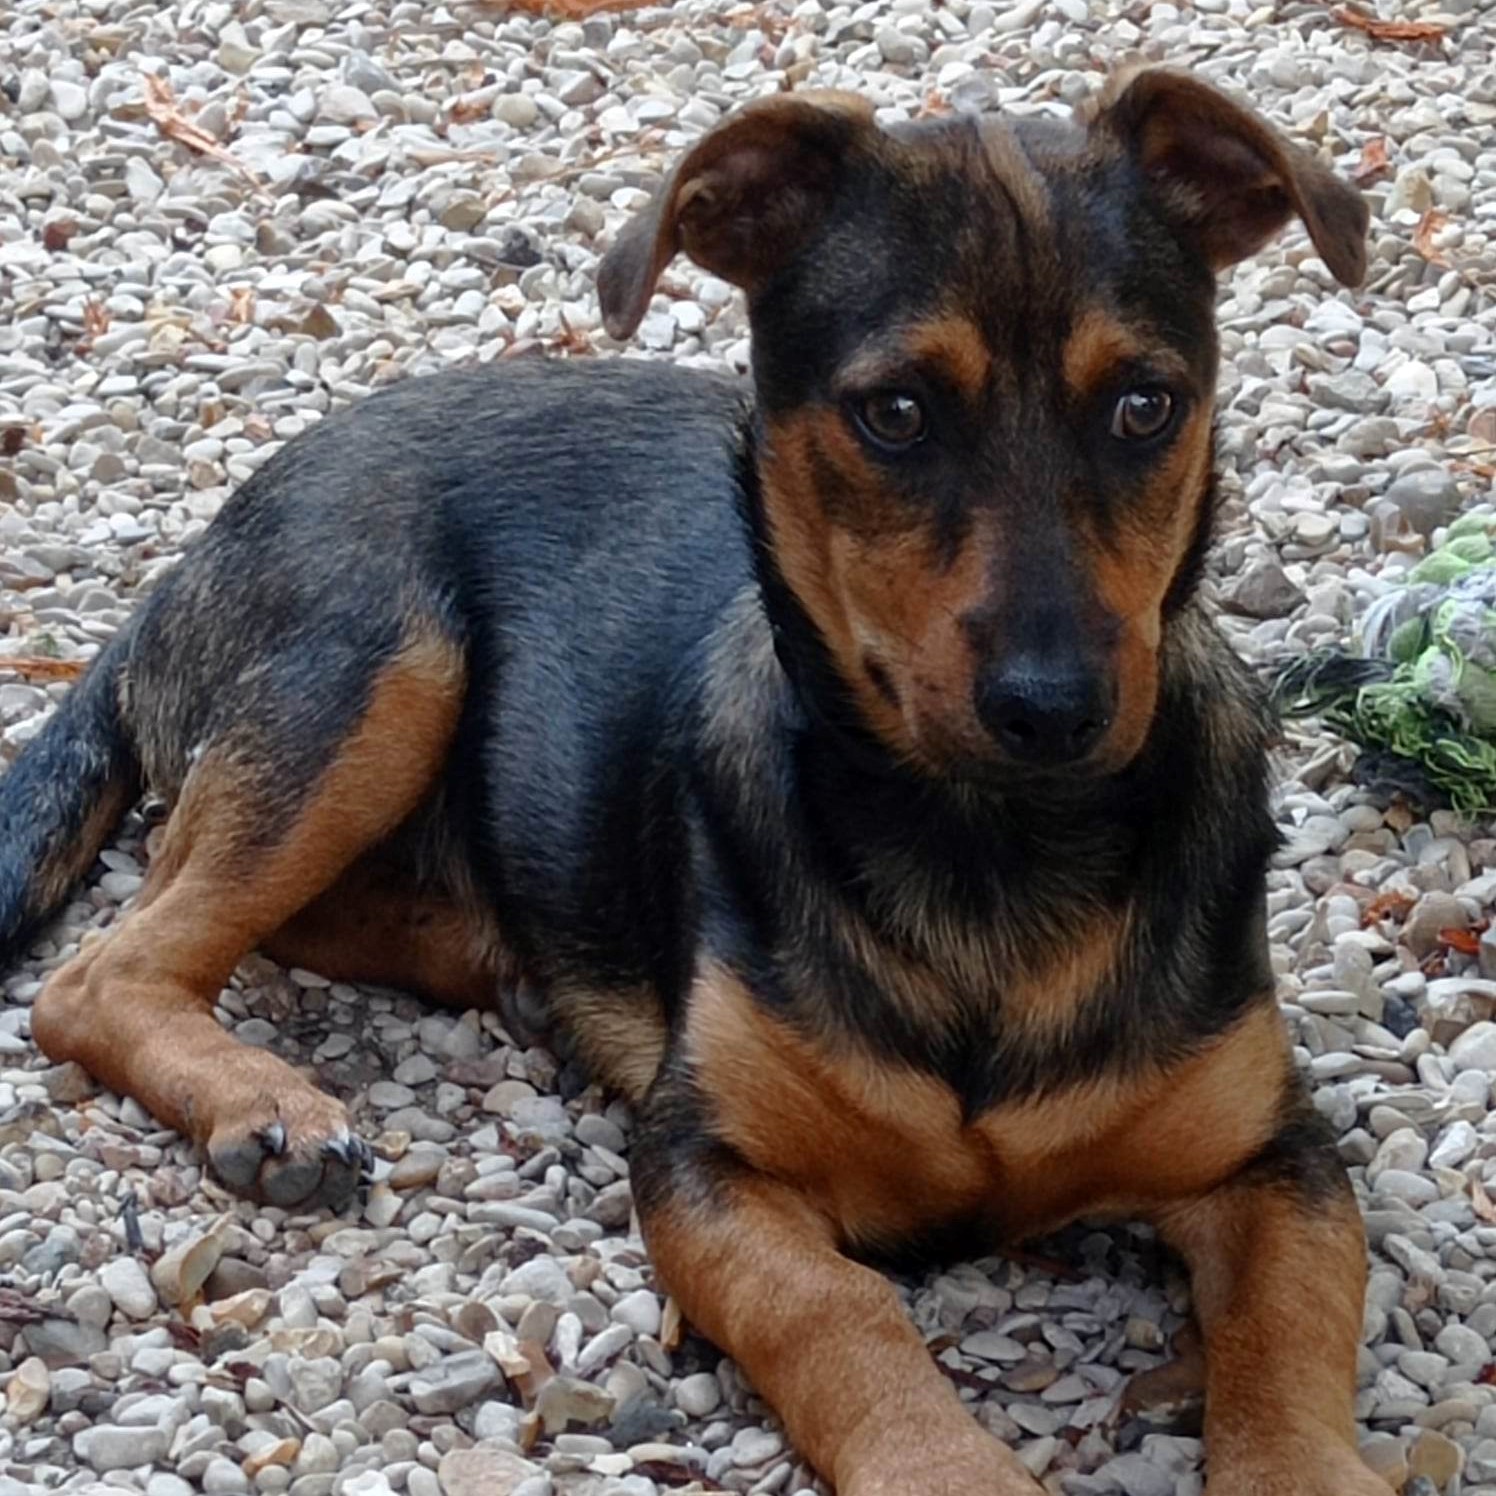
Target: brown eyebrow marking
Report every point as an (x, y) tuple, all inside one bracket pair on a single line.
[(1098, 344), (949, 345)]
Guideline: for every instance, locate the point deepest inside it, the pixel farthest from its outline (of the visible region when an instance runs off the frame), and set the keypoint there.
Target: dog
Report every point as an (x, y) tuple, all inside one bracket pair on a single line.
[(845, 755)]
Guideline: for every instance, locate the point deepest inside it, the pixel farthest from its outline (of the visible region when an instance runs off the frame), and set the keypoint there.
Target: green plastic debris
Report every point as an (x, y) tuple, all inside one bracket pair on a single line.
[(1421, 683)]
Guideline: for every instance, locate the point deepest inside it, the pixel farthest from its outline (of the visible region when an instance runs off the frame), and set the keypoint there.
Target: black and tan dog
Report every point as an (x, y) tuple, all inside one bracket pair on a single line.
[(847, 760)]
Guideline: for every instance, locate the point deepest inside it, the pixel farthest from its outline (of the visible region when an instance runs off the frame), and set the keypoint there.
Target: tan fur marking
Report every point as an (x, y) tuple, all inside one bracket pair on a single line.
[(880, 1148), (886, 1152), (1097, 344), (622, 1036), (827, 1342), (1133, 569), (384, 929), (872, 584), (135, 1009), (1278, 1287), (955, 345)]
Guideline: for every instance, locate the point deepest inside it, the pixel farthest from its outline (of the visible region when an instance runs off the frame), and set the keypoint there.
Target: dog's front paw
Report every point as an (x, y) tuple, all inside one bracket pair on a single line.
[(294, 1150)]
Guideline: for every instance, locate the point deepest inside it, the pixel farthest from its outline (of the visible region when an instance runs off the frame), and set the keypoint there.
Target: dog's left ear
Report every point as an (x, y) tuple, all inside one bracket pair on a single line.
[(1227, 180), (742, 201)]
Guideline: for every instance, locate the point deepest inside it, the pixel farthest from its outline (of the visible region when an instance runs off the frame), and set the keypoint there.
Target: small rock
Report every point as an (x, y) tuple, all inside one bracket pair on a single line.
[(484, 1470), (1475, 1049), (1426, 499), (129, 1286), (1262, 591), (106, 1447), (1431, 914), (28, 1391), (454, 1382)]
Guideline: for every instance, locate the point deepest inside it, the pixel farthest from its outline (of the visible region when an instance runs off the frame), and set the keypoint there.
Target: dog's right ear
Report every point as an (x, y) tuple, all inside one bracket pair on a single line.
[(741, 203)]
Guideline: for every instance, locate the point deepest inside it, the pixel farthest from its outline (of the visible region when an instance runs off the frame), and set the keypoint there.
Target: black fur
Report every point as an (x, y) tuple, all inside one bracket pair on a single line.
[(657, 759)]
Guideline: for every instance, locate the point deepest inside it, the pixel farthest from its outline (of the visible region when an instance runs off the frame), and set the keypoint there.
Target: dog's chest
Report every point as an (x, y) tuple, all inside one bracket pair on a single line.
[(888, 1151)]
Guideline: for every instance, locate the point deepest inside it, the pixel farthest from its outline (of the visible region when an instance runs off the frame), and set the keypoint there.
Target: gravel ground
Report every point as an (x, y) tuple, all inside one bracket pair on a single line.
[(220, 221)]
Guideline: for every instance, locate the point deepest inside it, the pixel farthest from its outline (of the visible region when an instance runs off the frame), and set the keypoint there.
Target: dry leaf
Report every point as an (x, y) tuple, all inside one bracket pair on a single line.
[(56, 234), (95, 318), (1389, 31), (1373, 161), (1432, 223), (39, 667), (1466, 942), (242, 305), (672, 1326), (1482, 427), (464, 110), (934, 105), (161, 105), (1390, 905)]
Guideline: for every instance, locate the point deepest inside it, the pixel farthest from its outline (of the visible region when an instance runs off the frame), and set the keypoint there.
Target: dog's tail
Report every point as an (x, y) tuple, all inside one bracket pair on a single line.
[(63, 797)]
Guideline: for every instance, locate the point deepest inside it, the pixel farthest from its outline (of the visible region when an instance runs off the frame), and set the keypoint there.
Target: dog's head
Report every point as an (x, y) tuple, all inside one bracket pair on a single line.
[(985, 359)]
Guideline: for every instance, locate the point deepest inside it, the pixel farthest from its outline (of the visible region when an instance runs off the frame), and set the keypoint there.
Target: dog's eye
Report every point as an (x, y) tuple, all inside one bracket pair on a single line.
[(891, 418), (1142, 414)]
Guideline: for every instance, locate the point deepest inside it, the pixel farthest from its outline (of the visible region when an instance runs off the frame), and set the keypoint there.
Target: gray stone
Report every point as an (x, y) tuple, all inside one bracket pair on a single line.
[(106, 1447), (1427, 498), (454, 1382), (1262, 591), (129, 1286)]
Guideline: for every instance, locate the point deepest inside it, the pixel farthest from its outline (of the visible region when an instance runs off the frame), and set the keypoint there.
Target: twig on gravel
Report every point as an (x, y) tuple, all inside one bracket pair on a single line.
[(39, 667), (161, 105), (1389, 31)]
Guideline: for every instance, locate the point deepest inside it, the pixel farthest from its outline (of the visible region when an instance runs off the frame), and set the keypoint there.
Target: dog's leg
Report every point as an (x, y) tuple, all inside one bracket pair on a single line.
[(248, 845), (1278, 1260), (369, 927), (754, 1266)]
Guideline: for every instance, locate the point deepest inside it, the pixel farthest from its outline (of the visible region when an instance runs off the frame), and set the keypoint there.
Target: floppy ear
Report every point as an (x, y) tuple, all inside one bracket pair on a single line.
[(742, 201), (1226, 178)]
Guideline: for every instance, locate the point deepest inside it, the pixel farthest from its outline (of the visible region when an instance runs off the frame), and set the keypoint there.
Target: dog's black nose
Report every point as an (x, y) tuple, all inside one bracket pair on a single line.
[(1044, 715)]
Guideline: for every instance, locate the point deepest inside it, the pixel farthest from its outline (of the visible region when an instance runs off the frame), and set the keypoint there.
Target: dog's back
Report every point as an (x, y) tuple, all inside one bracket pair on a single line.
[(481, 506)]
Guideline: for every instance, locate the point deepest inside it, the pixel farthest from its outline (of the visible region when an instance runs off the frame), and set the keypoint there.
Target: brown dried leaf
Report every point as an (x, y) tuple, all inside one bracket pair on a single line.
[(242, 305), (672, 1326), (1389, 905), (1482, 427), (1466, 942), (39, 667), (161, 105), (1432, 223), (934, 105), (56, 234), (464, 110), (1373, 161), (95, 318), (1389, 31)]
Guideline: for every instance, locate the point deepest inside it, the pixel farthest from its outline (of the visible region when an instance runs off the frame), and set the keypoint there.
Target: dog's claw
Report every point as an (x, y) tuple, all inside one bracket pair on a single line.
[(274, 1139), (350, 1149)]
